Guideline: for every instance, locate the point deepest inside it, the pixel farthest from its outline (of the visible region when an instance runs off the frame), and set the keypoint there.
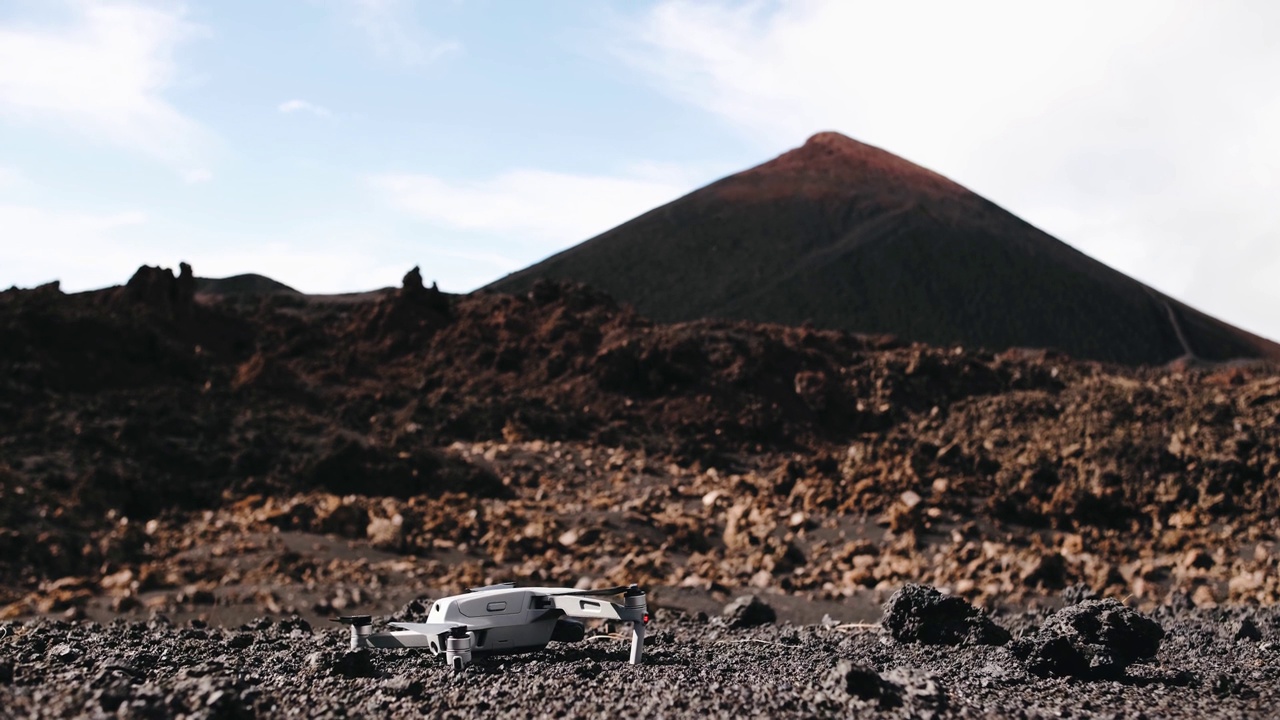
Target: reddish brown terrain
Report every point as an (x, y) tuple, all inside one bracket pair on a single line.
[(847, 236), (215, 455)]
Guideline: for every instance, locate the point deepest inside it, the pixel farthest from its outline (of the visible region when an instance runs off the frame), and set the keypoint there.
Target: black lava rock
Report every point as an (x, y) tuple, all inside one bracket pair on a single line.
[(1078, 593), (1247, 629), (865, 684), (1225, 685), (240, 641), (921, 614), (355, 663), (416, 610), (919, 692), (748, 611), (1096, 639), (65, 652), (295, 624)]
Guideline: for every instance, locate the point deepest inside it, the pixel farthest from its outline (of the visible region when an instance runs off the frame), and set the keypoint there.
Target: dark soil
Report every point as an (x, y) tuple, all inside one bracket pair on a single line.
[(850, 237), (694, 667)]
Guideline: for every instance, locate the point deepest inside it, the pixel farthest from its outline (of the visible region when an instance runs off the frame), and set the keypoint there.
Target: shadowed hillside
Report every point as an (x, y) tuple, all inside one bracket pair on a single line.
[(848, 236), (247, 284)]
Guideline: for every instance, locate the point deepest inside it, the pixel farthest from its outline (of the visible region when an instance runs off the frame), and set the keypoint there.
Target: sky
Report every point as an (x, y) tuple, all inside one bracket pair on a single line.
[(334, 144)]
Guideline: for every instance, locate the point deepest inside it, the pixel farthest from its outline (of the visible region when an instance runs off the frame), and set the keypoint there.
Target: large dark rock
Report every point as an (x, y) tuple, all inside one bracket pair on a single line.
[(748, 611), (355, 663), (1095, 639), (921, 614)]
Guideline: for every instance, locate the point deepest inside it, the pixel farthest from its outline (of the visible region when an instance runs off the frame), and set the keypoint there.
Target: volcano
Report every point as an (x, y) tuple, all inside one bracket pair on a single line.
[(847, 236)]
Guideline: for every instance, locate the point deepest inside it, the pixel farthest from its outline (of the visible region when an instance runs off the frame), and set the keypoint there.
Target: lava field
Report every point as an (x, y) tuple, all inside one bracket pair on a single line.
[(176, 465)]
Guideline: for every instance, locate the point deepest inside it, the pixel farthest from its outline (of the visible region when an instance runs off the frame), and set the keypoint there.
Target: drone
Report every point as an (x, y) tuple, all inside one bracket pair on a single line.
[(501, 619)]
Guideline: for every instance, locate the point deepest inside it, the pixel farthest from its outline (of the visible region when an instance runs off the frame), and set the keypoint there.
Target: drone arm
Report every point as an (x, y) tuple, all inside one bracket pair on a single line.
[(634, 612), (583, 607), (399, 639)]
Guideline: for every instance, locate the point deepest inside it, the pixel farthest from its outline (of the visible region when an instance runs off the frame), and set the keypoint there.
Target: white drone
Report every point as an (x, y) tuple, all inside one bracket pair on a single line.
[(506, 619)]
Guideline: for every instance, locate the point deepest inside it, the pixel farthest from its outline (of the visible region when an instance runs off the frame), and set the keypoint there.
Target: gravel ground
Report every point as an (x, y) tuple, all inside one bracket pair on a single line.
[(1210, 663)]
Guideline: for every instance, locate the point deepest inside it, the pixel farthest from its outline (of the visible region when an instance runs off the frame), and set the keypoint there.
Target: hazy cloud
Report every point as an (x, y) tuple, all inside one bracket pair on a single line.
[(392, 27), (542, 210), (102, 73), (196, 176), (1140, 132), (10, 177), (293, 106), (54, 244)]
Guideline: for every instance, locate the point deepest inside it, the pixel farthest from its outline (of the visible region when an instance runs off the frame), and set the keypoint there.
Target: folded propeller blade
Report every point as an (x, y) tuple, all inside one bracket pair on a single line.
[(602, 592)]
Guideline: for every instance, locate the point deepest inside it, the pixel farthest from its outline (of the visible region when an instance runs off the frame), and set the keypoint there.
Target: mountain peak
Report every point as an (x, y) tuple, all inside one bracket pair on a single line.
[(834, 140), (848, 236), (831, 163)]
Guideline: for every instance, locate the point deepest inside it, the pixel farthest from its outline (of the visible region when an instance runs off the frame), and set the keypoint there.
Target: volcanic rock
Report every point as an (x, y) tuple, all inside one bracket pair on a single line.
[(1077, 594), (919, 693), (1092, 639), (748, 611), (158, 289), (921, 614), (1247, 629), (678, 455), (849, 236), (865, 684), (355, 663)]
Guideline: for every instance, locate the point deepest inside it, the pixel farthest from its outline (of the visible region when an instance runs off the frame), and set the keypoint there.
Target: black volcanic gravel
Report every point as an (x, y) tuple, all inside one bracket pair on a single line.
[(287, 669)]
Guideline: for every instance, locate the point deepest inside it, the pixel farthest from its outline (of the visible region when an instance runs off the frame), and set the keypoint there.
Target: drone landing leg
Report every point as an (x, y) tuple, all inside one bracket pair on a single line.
[(458, 648), (637, 642)]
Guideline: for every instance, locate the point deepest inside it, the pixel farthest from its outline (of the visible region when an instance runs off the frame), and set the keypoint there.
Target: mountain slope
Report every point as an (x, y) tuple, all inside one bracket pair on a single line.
[(848, 236), (246, 284)]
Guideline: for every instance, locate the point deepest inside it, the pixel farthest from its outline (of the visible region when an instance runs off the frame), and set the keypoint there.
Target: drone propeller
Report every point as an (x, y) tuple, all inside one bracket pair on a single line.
[(604, 592), (498, 586)]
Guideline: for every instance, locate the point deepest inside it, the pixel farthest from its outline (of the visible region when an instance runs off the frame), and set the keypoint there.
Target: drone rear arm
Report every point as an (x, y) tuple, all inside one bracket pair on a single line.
[(582, 607), (634, 611)]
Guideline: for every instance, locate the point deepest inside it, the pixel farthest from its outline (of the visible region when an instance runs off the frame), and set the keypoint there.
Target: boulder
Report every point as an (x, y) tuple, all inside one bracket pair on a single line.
[(921, 614), (1094, 639)]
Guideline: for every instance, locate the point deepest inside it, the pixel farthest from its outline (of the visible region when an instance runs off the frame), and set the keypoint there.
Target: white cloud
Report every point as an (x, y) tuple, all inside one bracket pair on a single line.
[(101, 74), (89, 250), (10, 178), (195, 176), (292, 106), (391, 26), (546, 210), (84, 249), (1140, 132)]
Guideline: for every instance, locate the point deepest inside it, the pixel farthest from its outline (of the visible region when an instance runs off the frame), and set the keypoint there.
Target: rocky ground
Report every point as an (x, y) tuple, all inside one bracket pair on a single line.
[(220, 458), (933, 657)]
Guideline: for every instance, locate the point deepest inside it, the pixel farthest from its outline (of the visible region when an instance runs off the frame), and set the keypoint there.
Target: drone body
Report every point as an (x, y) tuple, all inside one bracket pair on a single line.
[(506, 619)]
